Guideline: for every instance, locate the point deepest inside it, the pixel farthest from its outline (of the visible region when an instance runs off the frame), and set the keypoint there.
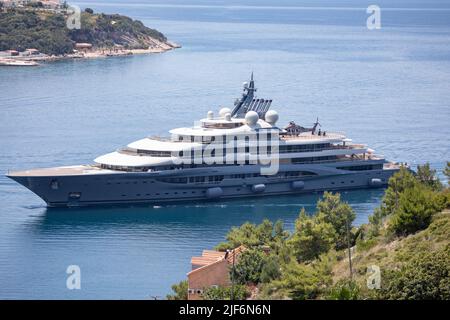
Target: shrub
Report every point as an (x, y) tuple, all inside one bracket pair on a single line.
[(180, 291), (442, 199), (249, 266), (239, 292), (344, 290), (270, 270), (415, 210), (375, 225), (300, 281), (425, 277), (365, 245)]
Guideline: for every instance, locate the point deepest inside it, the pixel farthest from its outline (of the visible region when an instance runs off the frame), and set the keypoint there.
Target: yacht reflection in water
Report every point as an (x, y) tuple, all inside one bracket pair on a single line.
[(201, 217)]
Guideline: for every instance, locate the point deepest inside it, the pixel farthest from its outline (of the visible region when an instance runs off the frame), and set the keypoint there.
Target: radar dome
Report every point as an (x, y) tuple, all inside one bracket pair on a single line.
[(228, 116), (271, 116), (251, 118), (210, 115), (224, 111)]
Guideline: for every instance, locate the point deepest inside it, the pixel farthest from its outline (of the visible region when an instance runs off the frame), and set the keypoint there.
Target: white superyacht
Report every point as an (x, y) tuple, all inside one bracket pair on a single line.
[(241, 152)]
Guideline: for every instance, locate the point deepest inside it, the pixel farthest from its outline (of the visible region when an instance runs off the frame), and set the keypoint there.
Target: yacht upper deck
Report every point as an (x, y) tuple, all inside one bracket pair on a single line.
[(308, 137)]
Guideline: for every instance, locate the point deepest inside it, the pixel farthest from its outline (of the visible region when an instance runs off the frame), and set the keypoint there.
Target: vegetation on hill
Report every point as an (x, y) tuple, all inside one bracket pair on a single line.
[(180, 291), (239, 292), (47, 31), (107, 30), (20, 30), (407, 238)]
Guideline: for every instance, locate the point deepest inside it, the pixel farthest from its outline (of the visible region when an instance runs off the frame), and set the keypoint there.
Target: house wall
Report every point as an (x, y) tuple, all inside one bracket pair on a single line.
[(205, 277)]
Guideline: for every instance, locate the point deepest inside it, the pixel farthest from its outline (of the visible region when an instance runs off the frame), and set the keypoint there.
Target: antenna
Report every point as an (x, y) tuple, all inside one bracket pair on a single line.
[(241, 107), (317, 122), (313, 130)]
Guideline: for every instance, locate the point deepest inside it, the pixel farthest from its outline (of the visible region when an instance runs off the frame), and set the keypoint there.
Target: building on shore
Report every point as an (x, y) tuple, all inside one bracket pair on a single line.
[(31, 52), (83, 47), (211, 269)]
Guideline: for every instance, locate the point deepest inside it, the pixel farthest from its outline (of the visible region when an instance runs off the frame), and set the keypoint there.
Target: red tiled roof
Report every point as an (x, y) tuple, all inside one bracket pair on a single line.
[(234, 253), (209, 257), (213, 253)]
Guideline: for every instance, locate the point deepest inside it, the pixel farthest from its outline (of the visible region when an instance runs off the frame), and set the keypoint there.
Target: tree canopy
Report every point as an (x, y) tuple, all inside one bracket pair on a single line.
[(180, 291), (252, 235), (312, 237)]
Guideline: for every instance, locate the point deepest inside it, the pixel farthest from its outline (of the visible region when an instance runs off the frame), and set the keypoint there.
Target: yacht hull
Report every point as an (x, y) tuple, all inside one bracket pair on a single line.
[(130, 188)]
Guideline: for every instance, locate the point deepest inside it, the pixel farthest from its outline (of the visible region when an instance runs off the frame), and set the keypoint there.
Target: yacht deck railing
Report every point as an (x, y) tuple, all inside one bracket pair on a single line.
[(310, 136)]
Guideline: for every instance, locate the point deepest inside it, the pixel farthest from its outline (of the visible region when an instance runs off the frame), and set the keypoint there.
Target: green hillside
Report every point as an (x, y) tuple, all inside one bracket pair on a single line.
[(47, 31)]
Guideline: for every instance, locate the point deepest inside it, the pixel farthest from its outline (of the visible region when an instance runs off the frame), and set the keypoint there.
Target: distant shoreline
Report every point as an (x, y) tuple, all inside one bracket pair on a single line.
[(42, 36), (93, 54)]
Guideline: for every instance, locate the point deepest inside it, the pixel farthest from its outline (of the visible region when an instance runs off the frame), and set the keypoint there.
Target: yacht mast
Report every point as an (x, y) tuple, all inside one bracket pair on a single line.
[(241, 105)]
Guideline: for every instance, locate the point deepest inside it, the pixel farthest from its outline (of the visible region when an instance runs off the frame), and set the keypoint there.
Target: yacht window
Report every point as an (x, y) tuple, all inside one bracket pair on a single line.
[(362, 167)]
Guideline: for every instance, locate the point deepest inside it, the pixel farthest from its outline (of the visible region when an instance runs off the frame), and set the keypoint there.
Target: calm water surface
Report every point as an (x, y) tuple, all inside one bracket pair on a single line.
[(388, 88)]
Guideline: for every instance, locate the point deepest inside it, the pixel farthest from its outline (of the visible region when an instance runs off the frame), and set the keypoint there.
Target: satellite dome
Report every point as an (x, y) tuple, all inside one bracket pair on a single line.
[(210, 115), (245, 84), (224, 111), (228, 116), (251, 118), (271, 116)]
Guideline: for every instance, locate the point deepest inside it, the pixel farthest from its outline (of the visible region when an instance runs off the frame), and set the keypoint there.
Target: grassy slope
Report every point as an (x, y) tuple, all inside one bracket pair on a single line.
[(392, 254)]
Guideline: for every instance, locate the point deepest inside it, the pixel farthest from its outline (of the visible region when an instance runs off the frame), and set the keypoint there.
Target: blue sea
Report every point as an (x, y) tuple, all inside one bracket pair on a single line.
[(389, 88)]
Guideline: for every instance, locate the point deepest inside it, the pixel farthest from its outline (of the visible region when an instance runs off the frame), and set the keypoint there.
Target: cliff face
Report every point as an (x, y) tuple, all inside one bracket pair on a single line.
[(46, 31)]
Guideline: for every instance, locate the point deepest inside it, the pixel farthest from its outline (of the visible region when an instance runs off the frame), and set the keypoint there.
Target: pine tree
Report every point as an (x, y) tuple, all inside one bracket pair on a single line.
[(415, 210), (427, 177), (312, 237), (399, 182), (337, 213)]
